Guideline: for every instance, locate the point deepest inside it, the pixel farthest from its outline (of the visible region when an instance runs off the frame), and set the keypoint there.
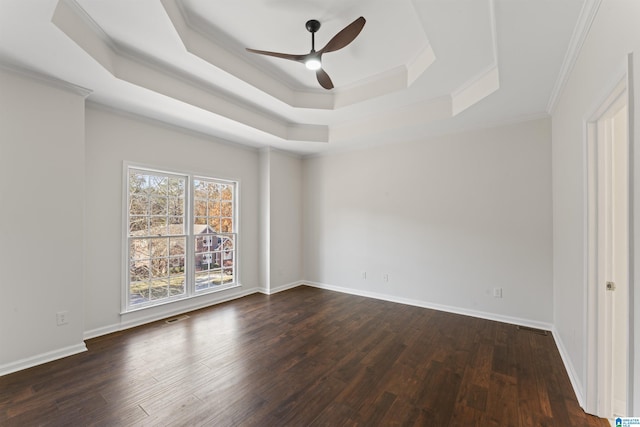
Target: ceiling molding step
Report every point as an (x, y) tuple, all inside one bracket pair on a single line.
[(301, 99), (419, 64), (131, 67), (494, 31), (132, 115), (308, 133), (393, 80), (267, 150), (491, 124), (199, 41), (580, 31), (475, 90), (76, 23), (384, 83), (486, 82), (411, 115), (473, 127), (44, 78)]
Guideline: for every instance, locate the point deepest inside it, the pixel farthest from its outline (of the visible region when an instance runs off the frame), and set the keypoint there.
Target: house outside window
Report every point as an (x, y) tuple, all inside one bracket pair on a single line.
[(180, 234), (213, 227)]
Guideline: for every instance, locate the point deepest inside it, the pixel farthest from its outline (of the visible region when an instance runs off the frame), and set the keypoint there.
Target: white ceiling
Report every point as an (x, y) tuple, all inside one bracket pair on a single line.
[(418, 68)]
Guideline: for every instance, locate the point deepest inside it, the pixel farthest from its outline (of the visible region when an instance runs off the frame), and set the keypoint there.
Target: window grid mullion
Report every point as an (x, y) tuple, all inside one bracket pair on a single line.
[(190, 252), (159, 220)]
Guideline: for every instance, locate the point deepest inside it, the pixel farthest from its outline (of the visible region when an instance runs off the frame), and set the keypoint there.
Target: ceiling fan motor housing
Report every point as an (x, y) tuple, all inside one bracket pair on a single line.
[(313, 60)]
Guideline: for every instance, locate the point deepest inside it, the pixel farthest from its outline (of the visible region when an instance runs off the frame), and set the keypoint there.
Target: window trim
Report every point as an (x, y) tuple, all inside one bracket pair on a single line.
[(233, 232), (190, 288)]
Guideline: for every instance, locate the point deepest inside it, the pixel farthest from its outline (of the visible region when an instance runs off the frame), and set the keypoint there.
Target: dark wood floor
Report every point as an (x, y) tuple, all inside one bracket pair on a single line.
[(304, 357)]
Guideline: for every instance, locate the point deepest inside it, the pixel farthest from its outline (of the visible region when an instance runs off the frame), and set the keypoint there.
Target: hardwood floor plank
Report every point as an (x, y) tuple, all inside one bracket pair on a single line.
[(315, 399), (303, 357), (335, 414), (402, 413), (467, 416), (119, 415), (372, 415)]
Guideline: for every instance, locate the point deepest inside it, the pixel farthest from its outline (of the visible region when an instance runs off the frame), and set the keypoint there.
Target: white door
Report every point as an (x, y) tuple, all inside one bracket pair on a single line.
[(608, 242), (618, 254)]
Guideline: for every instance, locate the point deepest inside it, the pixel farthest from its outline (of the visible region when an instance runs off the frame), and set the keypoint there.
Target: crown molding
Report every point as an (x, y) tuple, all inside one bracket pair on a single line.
[(92, 104), (431, 135), (580, 32), (6, 65), (136, 68)]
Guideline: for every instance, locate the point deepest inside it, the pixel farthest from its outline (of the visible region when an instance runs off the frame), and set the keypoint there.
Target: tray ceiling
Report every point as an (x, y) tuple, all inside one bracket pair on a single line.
[(418, 68)]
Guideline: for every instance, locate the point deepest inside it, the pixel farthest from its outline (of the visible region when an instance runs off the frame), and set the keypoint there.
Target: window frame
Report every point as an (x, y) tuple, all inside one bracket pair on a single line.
[(191, 290), (232, 235)]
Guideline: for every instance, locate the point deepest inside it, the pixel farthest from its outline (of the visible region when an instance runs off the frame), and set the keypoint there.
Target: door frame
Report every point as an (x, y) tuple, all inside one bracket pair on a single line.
[(598, 351)]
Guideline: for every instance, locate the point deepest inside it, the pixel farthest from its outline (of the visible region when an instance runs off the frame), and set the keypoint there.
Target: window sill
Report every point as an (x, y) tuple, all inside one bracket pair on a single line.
[(181, 300)]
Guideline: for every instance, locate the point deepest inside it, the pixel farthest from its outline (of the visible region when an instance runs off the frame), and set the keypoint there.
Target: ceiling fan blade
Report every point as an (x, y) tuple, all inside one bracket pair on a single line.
[(346, 36), (324, 79), (299, 58)]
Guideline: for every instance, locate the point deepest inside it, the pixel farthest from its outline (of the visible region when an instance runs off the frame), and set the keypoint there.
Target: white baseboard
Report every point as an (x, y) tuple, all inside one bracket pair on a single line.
[(98, 332), (573, 377), (619, 407), (138, 318), (198, 304), (571, 371), (281, 288), (449, 309), (39, 359)]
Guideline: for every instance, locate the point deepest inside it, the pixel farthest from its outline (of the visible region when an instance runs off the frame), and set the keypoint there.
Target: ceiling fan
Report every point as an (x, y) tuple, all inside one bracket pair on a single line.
[(313, 59)]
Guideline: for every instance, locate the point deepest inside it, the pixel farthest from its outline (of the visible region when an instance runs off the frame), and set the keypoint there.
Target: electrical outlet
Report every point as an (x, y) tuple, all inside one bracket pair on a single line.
[(385, 277), (364, 275), (61, 318), (497, 292)]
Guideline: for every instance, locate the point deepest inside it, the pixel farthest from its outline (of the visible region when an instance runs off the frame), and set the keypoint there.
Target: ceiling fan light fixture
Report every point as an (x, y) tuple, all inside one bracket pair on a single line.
[(313, 60), (313, 63)]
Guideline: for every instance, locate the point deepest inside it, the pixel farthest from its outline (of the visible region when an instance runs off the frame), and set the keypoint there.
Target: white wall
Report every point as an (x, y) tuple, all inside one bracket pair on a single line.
[(614, 33), (285, 220), (41, 220), (112, 139), (448, 219), (264, 257), (281, 220)]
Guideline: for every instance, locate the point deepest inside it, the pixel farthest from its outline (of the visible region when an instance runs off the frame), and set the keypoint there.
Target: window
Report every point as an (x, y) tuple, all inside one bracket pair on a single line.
[(181, 238), (213, 230)]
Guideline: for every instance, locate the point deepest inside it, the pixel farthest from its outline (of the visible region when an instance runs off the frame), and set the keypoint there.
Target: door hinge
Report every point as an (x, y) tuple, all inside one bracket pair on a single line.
[(611, 286)]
